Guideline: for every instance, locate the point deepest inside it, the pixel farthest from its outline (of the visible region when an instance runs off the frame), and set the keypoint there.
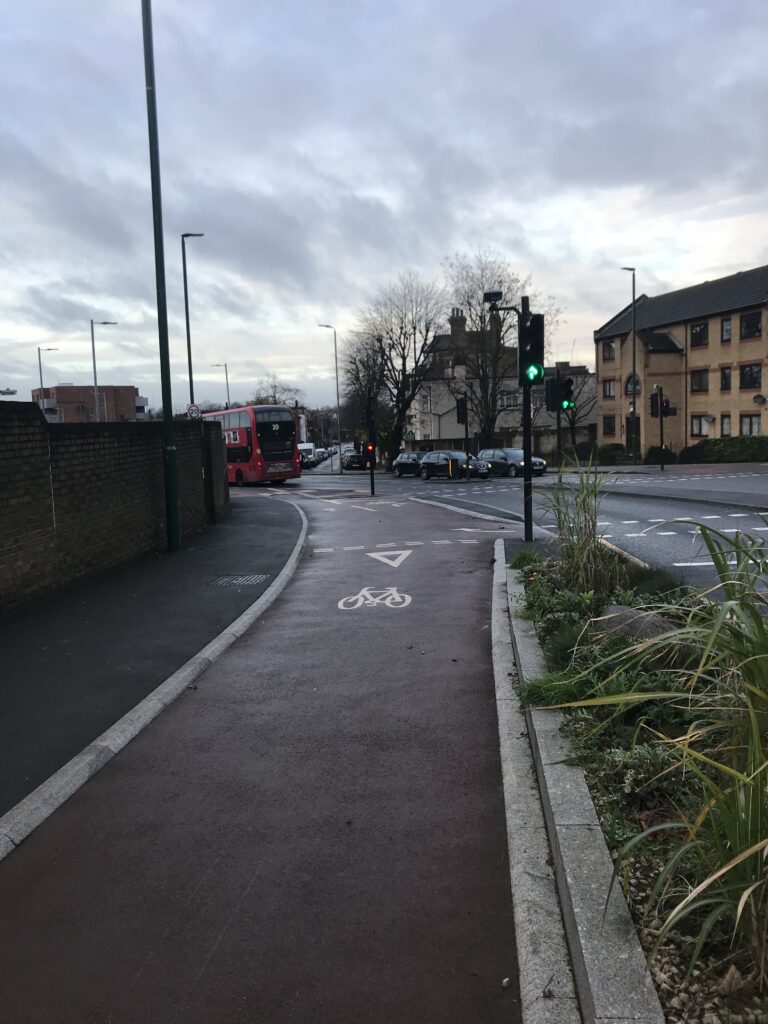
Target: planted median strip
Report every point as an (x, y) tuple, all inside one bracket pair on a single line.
[(665, 703)]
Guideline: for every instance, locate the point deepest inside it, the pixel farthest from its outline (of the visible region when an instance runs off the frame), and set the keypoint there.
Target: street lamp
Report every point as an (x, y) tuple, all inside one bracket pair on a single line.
[(226, 378), (188, 234), (633, 415), (93, 353), (40, 367), (338, 409)]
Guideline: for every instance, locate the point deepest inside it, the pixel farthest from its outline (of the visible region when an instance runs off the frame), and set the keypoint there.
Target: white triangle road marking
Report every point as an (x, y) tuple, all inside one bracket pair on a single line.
[(393, 558)]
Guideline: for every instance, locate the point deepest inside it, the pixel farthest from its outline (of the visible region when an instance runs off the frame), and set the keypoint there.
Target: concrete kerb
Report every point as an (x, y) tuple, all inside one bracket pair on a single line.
[(32, 811), (610, 971), (547, 990)]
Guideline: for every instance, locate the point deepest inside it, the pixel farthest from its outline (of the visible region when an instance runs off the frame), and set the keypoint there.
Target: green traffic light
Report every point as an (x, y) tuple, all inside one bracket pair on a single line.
[(534, 372), (567, 404)]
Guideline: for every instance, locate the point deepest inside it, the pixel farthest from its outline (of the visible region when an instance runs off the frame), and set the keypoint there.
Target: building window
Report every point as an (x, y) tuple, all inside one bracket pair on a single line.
[(725, 425), (609, 351), (697, 426), (750, 376), (725, 378), (505, 400), (749, 424), (699, 335), (699, 380), (725, 330), (609, 426), (632, 387), (751, 325), (609, 389)]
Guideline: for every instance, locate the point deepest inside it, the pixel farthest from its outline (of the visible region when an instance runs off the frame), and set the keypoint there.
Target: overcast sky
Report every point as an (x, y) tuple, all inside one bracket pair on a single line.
[(323, 146)]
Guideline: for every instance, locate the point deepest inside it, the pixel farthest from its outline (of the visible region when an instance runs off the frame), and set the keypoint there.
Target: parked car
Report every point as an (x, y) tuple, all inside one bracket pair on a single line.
[(353, 460), (407, 462), (307, 462), (510, 462), (447, 463)]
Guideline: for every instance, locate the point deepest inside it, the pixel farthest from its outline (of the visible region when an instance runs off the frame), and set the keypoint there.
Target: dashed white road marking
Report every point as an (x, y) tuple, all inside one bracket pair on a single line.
[(710, 517), (666, 533), (470, 541), (364, 508), (414, 543), (441, 542), (322, 551), (387, 545), (738, 515), (630, 522), (354, 547)]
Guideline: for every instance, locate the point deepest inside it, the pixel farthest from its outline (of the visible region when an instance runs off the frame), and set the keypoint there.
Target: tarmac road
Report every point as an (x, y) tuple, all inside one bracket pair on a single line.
[(314, 834)]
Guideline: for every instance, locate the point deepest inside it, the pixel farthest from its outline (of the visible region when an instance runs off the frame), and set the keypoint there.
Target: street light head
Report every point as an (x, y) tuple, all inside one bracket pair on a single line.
[(493, 296), (330, 326), (48, 349), (193, 234), (631, 269), (113, 322)]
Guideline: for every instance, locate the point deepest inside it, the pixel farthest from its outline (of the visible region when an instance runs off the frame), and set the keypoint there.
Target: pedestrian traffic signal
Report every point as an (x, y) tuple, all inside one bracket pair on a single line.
[(531, 350), (552, 393), (566, 394), (665, 407), (655, 404)]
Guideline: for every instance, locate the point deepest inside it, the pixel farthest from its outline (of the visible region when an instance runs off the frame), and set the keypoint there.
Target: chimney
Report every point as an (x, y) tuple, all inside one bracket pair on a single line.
[(458, 323)]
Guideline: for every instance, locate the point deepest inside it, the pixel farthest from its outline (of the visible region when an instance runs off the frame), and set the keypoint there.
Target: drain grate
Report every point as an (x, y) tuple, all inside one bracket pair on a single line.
[(238, 581)]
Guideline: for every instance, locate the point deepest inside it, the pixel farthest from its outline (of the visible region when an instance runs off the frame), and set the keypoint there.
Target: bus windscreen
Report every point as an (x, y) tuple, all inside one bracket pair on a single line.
[(276, 429)]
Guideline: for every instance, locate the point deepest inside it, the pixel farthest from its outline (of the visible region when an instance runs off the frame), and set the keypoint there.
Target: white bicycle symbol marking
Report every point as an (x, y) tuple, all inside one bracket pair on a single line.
[(389, 597)]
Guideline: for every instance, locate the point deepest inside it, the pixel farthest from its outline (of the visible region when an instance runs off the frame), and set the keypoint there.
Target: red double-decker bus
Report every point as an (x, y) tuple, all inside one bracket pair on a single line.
[(261, 443)]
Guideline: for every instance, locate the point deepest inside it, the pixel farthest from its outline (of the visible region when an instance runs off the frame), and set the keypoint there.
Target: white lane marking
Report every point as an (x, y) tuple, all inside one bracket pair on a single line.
[(738, 515), (652, 521), (463, 540), (630, 522), (666, 533), (392, 558), (369, 597), (692, 565), (354, 547), (635, 534), (387, 545), (734, 530), (759, 529), (607, 536), (441, 542), (604, 524), (364, 509), (711, 517), (322, 551), (414, 543)]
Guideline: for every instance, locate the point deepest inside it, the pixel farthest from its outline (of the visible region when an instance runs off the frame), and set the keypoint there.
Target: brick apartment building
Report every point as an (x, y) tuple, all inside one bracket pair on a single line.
[(706, 346), (70, 403)]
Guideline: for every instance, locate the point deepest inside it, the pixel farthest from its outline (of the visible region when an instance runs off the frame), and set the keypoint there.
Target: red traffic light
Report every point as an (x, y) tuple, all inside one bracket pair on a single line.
[(370, 448)]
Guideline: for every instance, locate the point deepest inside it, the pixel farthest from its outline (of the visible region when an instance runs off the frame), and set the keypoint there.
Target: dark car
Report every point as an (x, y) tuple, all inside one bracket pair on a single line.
[(453, 464), (510, 462), (407, 462), (354, 460)]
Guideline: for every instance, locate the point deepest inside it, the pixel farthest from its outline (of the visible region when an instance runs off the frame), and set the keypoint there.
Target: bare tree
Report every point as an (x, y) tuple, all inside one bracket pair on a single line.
[(403, 318), (363, 368), (487, 349), (272, 391)]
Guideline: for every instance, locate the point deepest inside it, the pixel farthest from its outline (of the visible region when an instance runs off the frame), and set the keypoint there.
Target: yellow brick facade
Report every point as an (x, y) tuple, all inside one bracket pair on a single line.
[(709, 402)]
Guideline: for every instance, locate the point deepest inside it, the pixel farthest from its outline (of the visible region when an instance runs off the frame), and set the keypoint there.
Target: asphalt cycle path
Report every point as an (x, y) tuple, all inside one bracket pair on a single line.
[(75, 660), (315, 833)]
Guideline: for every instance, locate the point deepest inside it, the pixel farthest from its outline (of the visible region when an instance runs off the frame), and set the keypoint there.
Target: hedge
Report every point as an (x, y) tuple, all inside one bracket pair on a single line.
[(727, 449)]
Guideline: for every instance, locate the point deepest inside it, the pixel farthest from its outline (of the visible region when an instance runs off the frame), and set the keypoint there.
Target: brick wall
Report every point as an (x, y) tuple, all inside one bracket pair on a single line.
[(77, 498)]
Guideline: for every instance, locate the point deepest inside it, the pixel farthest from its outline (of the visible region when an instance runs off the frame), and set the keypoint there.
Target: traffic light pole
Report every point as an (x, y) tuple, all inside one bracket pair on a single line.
[(527, 442), (466, 442), (559, 421), (661, 427)]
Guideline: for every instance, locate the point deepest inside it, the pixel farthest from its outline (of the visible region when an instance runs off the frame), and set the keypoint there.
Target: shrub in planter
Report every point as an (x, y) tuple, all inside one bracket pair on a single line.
[(656, 455), (607, 454), (727, 449)]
